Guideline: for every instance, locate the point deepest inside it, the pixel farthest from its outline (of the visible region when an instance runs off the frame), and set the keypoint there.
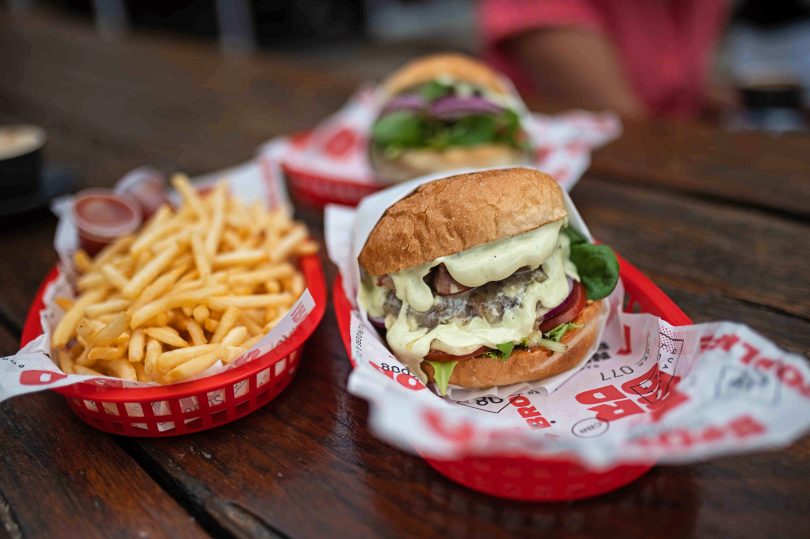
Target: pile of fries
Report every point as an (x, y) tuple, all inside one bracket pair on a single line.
[(198, 284)]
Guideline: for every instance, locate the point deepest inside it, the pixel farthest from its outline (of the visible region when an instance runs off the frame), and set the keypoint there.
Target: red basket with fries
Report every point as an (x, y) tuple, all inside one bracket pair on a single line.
[(532, 479), (199, 404)]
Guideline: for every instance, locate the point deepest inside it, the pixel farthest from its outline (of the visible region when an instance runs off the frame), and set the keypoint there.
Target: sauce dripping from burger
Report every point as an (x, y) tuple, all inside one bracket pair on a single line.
[(439, 279), (445, 285), (567, 311)]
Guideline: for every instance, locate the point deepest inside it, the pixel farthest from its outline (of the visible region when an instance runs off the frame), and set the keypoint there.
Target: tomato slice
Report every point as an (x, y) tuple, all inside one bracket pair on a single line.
[(437, 355), (576, 303)]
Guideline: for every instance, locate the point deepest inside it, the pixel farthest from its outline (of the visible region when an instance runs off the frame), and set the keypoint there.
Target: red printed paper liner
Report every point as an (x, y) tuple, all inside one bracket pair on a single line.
[(530, 479), (130, 411)]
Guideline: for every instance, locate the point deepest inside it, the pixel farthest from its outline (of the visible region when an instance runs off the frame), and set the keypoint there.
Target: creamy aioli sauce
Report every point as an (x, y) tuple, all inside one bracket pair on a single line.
[(493, 261), (570, 268), (412, 344), (372, 298), (482, 264)]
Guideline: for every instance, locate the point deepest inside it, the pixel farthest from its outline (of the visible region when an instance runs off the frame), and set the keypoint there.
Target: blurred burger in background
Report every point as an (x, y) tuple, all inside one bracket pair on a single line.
[(446, 112)]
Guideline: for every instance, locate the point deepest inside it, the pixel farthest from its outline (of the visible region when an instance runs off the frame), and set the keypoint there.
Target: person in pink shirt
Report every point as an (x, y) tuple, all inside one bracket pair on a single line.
[(639, 58)]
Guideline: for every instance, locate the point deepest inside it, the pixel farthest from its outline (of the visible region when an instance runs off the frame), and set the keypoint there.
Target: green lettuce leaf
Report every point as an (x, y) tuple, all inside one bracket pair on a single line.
[(503, 352), (408, 129), (400, 129), (574, 235), (598, 268), (435, 90), (471, 131), (441, 372), (597, 265), (559, 332), (506, 349)]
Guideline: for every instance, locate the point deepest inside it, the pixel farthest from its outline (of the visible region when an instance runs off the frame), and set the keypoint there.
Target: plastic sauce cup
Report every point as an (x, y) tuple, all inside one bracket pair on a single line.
[(101, 217), (147, 187)]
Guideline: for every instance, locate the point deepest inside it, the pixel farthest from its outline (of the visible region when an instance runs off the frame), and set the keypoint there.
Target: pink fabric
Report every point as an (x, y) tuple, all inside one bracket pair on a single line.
[(664, 46)]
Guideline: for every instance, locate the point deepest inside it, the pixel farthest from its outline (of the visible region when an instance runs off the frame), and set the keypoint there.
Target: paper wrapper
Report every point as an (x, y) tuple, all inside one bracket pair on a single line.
[(32, 369), (650, 392), (337, 148)]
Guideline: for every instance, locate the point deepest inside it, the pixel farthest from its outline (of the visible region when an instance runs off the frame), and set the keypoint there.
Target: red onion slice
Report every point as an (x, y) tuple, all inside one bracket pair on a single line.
[(453, 107), (562, 306), (404, 102)]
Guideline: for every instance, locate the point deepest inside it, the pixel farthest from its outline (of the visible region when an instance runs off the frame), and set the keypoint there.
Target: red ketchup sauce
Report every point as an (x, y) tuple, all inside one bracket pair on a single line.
[(102, 216)]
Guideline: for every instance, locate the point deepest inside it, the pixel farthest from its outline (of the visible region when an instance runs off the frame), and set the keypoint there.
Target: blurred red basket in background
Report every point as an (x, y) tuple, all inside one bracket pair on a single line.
[(531, 479), (313, 190), (196, 405), (318, 191)]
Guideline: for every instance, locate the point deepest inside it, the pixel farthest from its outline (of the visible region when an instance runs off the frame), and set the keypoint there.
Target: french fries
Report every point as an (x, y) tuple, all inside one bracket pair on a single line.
[(198, 284)]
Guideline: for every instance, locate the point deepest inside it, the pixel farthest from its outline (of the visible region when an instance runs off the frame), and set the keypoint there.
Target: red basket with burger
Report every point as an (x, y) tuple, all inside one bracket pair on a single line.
[(479, 282), (437, 113)]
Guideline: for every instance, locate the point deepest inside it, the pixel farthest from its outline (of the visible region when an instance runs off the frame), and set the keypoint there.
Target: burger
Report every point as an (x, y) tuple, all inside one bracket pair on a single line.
[(478, 280), (446, 112)]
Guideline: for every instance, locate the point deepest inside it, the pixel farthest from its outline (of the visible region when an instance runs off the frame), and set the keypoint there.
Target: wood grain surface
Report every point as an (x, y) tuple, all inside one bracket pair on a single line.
[(718, 220), (62, 478), (748, 169)]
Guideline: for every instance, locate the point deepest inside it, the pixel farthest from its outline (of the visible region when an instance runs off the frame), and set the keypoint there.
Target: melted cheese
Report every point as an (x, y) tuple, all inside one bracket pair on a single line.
[(493, 261), (411, 344), (372, 297)]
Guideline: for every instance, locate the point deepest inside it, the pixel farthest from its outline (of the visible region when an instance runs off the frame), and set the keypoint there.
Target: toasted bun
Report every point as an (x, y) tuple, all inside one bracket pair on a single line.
[(455, 66), (528, 364), (418, 162), (453, 214)]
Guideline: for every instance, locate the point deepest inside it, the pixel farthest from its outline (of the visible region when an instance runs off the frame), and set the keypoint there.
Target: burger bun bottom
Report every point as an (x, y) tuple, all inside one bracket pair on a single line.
[(413, 163), (529, 364)]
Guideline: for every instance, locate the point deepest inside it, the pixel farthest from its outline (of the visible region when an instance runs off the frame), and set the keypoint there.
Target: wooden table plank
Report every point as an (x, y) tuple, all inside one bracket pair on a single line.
[(748, 168), (145, 97), (306, 464), (30, 246), (291, 470), (296, 471), (60, 477), (788, 332), (743, 254)]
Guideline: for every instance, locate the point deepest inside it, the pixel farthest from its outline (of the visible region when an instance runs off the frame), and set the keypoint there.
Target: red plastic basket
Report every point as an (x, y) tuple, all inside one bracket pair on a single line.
[(526, 478), (315, 190), (318, 191), (131, 411)]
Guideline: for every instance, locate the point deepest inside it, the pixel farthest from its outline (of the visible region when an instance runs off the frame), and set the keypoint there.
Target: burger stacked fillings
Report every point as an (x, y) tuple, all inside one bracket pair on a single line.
[(446, 112), (479, 281)]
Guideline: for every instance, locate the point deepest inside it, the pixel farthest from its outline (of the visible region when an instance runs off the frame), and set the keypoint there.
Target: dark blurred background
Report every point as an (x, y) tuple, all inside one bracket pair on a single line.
[(381, 33), (758, 57)]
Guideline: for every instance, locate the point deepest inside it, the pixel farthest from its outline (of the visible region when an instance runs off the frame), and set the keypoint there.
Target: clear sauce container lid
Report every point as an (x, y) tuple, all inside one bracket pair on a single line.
[(101, 213)]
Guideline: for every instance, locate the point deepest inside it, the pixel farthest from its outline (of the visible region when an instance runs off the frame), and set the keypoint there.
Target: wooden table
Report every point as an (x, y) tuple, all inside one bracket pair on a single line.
[(720, 221)]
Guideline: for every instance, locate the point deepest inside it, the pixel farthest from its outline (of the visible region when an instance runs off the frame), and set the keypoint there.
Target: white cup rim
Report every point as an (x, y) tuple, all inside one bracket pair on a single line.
[(38, 142), (106, 231)]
